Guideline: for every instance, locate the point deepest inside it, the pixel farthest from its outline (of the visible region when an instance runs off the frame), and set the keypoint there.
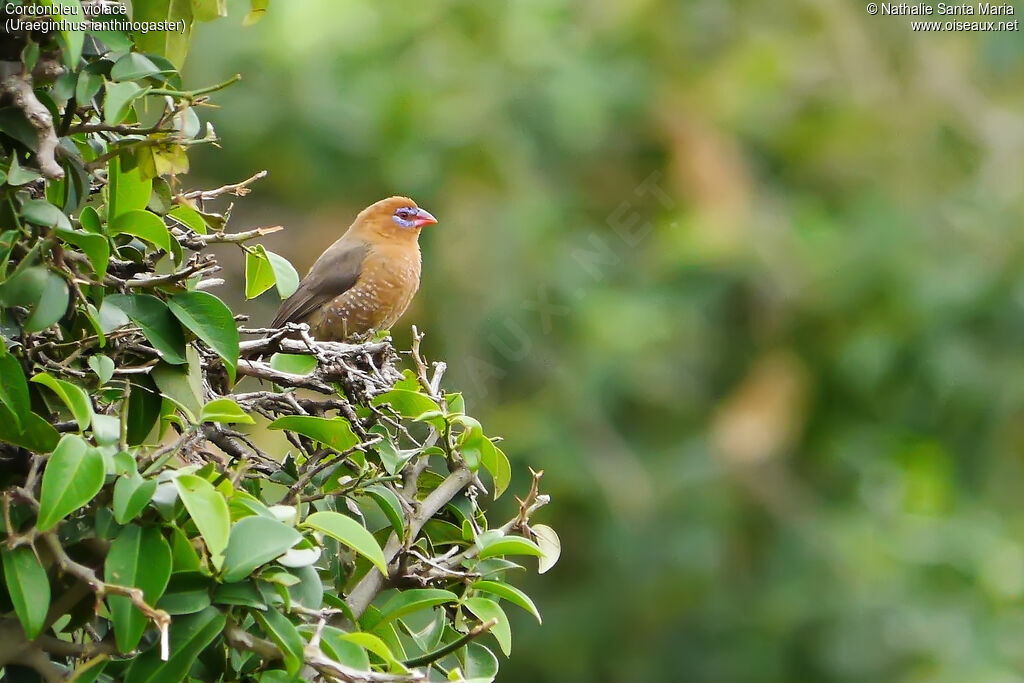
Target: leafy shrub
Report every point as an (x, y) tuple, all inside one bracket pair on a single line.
[(155, 530)]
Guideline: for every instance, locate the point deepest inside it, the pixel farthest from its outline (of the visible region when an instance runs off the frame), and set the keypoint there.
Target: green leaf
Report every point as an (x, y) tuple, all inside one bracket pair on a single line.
[(413, 600), (409, 404), (188, 217), (142, 224), (294, 363), (254, 541), (52, 304), (349, 532), (376, 646), (186, 593), (89, 219), (283, 632), (390, 506), (208, 10), (509, 545), (182, 384), (14, 388), (140, 558), (34, 433), (102, 366), (144, 404), (127, 190), (259, 274), (510, 593), (106, 429), (73, 396), (550, 546), (93, 246), (285, 274), (73, 475), (156, 321), (132, 67), (257, 8), (88, 85), (485, 610), (28, 587), (131, 494), (211, 321), (224, 410), (496, 462), (189, 635), (335, 432), (171, 44), (42, 212), (119, 99), (208, 509), (480, 663), (243, 593)]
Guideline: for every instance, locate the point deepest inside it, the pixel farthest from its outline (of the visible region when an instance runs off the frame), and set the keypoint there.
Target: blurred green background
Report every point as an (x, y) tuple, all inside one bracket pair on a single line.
[(745, 279)]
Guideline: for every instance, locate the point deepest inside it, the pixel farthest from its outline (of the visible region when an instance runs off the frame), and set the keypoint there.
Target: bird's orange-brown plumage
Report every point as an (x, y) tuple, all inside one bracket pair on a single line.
[(366, 279)]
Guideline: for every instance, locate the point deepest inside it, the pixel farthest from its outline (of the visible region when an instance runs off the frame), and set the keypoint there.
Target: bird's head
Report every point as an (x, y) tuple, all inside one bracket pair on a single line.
[(395, 217)]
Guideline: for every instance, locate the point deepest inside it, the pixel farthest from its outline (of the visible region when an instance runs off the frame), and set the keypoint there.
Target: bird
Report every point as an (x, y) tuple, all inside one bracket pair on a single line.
[(365, 280)]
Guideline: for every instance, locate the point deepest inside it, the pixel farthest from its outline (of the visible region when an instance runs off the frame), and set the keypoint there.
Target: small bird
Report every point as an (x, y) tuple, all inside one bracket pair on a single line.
[(366, 279)]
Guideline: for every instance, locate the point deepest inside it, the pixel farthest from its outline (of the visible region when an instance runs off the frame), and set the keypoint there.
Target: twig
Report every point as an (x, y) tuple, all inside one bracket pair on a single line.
[(238, 189), (451, 647), (102, 588), (373, 582)]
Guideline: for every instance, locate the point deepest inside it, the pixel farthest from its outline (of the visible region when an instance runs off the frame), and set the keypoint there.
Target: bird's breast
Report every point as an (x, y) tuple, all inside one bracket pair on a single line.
[(385, 287)]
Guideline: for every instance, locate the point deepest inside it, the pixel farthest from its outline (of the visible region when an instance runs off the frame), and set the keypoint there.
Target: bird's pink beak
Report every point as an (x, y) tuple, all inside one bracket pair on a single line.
[(423, 217)]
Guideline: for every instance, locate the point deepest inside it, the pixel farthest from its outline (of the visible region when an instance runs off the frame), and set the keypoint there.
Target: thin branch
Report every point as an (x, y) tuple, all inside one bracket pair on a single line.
[(373, 582), (453, 646), (238, 189)]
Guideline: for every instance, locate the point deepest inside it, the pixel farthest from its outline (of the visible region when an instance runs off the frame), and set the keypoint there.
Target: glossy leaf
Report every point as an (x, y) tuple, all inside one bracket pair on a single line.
[(283, 632), (95, 247), (413, 600), (144, 225), (51, 305), (188, 217), (486, 609), (346, 530), (508, 592), (294, 363), (333, 432), (139, 557), (224, 410), (253, 542), (509, 545), (73, 475), (28, 588), (42, 212), (208, 509), (119, 99), (285, 275), (131, 494), (259, 274), (127, 191), (550, 546), (156, 322), (189, 635), (390, 506), (14, 388), (211, 321), (133, 66), (73, 396)]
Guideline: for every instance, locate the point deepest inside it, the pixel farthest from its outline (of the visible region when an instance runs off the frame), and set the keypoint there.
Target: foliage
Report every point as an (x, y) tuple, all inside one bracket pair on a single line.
[(180, 502), (782, 420)]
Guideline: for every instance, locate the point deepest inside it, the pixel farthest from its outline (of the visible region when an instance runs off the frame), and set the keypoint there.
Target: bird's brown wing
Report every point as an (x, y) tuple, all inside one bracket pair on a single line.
[(333, 274)]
